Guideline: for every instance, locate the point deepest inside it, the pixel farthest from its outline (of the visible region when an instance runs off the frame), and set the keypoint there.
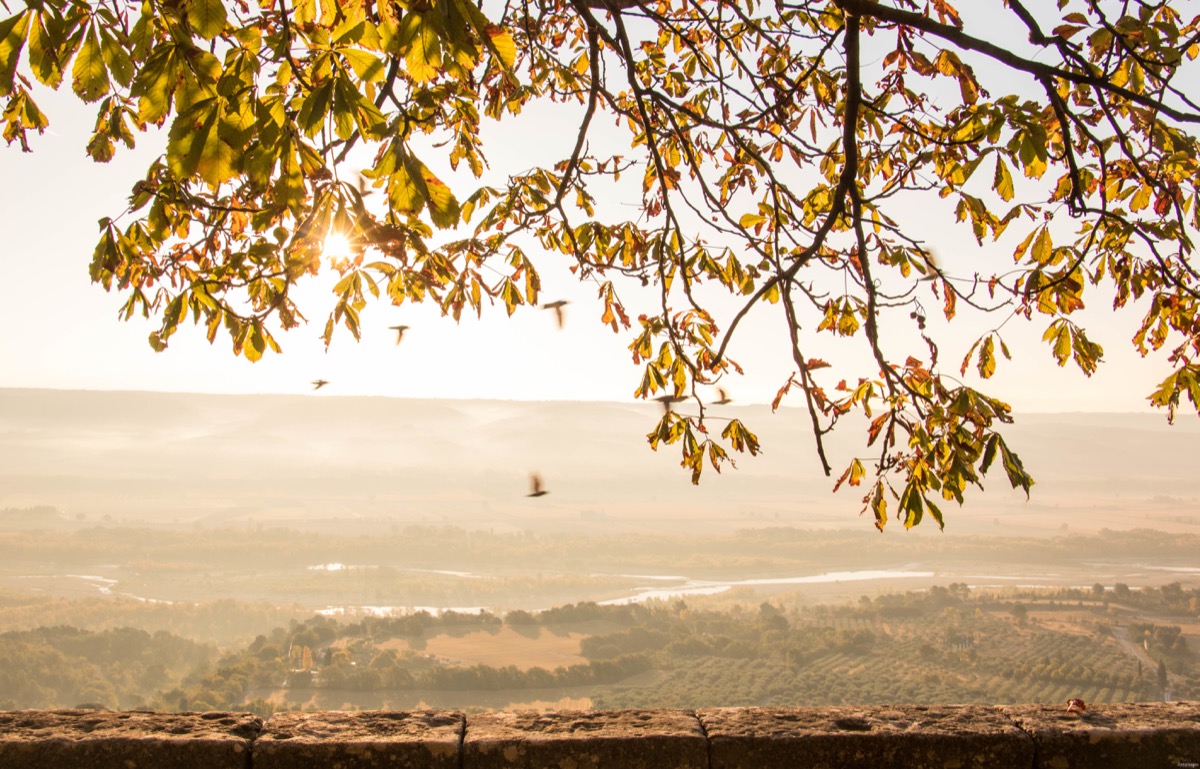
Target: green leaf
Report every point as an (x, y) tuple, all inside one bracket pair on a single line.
[(1058, 334), (877, 503), (936, 512), (155, 84), (443, 207), (216, 156), (21, 114), (1043, 247), (1003, 181), (207, 17), (44, 50), (365, 64), (1033, 154), (911, 506), (1014, 469), (405, 193), (12, 40), (255, 344), (314, 108), (987, 358), (89, 76), (511, 295), (421, 46), (740, 438), (116, 58)]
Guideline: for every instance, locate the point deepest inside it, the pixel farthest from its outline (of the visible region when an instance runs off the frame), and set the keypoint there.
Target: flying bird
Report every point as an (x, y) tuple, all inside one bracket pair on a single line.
[(723, 397), (362, 186), (667, 401), (557, 306), (399, 332), (319, 383), (535, 486)]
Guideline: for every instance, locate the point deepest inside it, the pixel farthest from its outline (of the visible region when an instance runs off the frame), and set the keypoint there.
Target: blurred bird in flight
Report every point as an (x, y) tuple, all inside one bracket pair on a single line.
[(535, 486), (399, 332), (667, 401), (723, 397), (319, 383), (557, 306)]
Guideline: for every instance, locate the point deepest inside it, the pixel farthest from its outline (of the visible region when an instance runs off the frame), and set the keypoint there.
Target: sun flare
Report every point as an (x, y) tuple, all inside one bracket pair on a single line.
[(337, 245)]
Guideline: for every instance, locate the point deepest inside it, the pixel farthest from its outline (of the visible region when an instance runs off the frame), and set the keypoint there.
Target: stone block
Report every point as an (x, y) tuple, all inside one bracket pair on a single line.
[(621, 739), (1146, 735), (912, 737), (107, 739), (361, 740)]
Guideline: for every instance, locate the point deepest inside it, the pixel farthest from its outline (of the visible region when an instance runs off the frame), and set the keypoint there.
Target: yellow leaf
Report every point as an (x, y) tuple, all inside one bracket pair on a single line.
[(1141, 198), (1043, 247), (422, 47), (89, 76), (987, 359), (503, 46), (12, 39), (207, 17), (1003, 182), (365, 64)]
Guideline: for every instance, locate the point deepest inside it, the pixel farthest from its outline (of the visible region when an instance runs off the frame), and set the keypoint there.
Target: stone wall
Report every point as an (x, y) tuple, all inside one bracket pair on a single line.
[(1139, 736)]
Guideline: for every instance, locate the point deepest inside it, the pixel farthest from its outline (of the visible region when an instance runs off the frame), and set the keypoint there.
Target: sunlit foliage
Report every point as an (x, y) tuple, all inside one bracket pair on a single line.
[(773, 147)]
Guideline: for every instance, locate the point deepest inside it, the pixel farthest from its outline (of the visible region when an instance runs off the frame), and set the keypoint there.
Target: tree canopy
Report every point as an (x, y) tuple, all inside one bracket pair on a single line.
[(777, 151)]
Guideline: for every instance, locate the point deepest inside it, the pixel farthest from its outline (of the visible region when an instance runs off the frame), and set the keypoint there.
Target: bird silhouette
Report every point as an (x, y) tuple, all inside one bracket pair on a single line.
[(667, 401), (319, 383), (535, 486), (399, 332), (557, 306), (362, 186), (723, 397)]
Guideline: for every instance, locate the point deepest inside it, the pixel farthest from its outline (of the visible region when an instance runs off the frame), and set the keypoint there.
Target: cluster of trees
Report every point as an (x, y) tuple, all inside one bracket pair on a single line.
[(1161, 640), (117, 668), (1171, 598)]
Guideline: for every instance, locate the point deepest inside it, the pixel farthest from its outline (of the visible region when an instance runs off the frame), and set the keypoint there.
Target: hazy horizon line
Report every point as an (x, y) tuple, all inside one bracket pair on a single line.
[(364, 396)]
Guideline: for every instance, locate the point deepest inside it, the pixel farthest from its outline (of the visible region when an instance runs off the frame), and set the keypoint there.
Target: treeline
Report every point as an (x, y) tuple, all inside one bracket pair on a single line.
[(223, 622), (118, 668), (387, 671)]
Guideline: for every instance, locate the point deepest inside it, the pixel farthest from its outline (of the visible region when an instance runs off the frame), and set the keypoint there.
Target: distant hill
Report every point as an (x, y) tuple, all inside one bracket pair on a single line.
[(165, 458)]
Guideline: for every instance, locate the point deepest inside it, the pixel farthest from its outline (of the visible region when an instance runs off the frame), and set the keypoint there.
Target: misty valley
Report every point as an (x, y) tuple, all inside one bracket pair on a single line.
[(262, 619), (197, 552)]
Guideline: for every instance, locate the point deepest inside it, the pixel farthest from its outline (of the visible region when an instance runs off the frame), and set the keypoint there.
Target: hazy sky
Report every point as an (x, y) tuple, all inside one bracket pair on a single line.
[(58, 330)]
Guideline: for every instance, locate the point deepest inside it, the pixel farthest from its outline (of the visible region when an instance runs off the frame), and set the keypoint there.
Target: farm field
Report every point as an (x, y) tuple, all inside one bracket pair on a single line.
[(947, 644)]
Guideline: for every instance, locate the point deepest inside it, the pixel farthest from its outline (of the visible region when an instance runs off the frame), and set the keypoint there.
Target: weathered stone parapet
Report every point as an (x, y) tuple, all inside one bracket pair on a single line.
[(370, 740), (913, 737), (621, 739), (1154, 735), (104, 739), (1141, 736)]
